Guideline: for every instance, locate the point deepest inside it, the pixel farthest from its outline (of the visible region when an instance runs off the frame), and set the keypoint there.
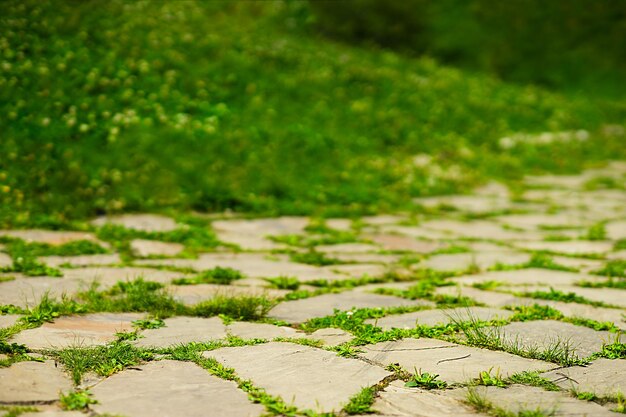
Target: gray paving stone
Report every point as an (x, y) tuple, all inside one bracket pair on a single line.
[(302, 310), (88, 330), (8, 320), (170, 389), (182, 330), (194, 294), (611, 296), (569, 247), (145, 248), (519, 398), (396, 400), (484, 260), (529, 276), (266, 331), (543, 334), (453, 363), (365, 258), (489, 298), (438, 317), (51, 237), (311, 378), (32, 382), (585, 311), (603, 377), (141, 222), (330, 336), (81, 260)]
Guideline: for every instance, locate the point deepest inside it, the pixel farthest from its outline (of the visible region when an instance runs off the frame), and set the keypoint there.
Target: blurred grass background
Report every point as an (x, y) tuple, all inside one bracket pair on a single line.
[(296, 107)]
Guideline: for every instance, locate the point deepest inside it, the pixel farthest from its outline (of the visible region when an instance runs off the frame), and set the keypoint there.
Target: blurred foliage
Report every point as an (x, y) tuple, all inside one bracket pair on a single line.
[(568, 44), (209, 105)]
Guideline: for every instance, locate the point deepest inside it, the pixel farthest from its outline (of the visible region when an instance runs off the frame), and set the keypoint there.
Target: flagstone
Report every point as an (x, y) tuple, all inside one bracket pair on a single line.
[(417, 232), (182, 330), (84, 331), (194, 294), (537, 220), (51, 237), (610, 296), (5, 260), (585, 311), (347, 248), (145, 248), (27, 292), (81, 260), (25, 382), (324, 305), (168, 388), (360, 270), (109, 276), (53, 413), (365, 258), (544, 334), (383, 219), (453, 363), (396, 400), (143, 222), (8, 320), (616, 230), (311, 378), (403, 243), (463, 261), (528, 276), (343, 225), (569, 247), (517, 399), (489, 298), (438, 317), (603, 377), (479, 229), (467, 203), (330, 336), (246, 330)]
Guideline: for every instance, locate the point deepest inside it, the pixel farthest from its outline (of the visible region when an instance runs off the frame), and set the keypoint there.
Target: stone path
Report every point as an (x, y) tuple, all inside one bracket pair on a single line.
[(473, 305)]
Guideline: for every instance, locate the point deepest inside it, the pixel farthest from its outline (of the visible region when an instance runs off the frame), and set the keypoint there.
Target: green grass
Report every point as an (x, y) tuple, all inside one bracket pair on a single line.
[(533, 379), (217, 275), (242, 307), (615, 268), (119, 107), (284, 283), (362, 402), (425, 380), (76, 400), (313, 257), (488, 379), (481, 404), (557, 295)]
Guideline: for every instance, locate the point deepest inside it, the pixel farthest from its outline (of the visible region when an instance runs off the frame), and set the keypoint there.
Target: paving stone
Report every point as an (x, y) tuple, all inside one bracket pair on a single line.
[(323, 305), (396, 400), (169, 389), (51, 237), (453, 363), (489, 298), (383, 219), (543, 334), (343, 225), (27, 292), (347, 248), (87, 330), (330, 336), (81, 260), (585, 311), (253, 234), (403, 243), (616, 230), (8, 320), (194, 294), (484, 260), (438, 317), (141, 222), (246, 330), (182, 330), (619, 255), (569, 247), (479, 229), (109, 276), (365, 258), (32, 382), (529, 276), (360, 270), (603, 377), (311, 378), (582, 264), (417, 232), (54, 413), (611, 296), (5, 260), (536, 220), (519, 398), (145, 248)]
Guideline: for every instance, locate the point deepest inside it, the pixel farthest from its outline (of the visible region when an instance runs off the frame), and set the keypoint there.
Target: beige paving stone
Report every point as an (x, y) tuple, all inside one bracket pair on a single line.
[(141, 222), (479, 229), (182, 330), (323, 305), (166, 388), (367, 258), (194, 294), (603, 377), (87, 330), (145, 248), (81, 260), (544, 334), (453, 363), (343, 225), (489, 298), (403, 243), (51, 237), (249, 242), (27, 292), (8, 320), (519, 398), (537, 220), (396, 400), (360, 270), (417, 232), (348, 248), (616, 230), (109, 276), (438, 317), (32, 382), (467, 203), (582, 264), (253, 234), (330, 336), (246, 330), (311, 378), (383, 219), (617, 255), (611, 296), (528, 276), (585, 311), (5, 260), (569, 247), (484, 260), (53, 413)]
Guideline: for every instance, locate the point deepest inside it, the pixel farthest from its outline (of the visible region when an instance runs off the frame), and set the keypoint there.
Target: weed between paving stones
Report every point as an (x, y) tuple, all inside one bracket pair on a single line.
[(482, 404), (217, 275), (557, 295), (15, 411)]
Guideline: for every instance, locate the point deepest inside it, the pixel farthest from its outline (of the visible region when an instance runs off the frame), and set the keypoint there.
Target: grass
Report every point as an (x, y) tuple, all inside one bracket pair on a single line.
[(242, 307), (545, 261), (425, 380), (596, 232), (615, 268), (141, 103), (613, 350), (284, 283), (76, 400), (557, 295), (481, 404), (217, 275), (487, 379), (16, 410), (361, 403), (313, 257), (533, 379), (424, 289)]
